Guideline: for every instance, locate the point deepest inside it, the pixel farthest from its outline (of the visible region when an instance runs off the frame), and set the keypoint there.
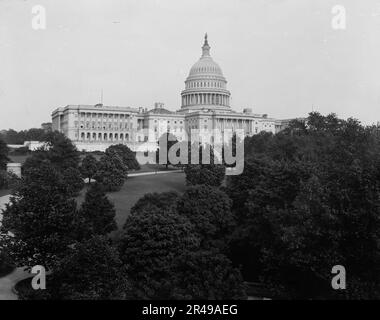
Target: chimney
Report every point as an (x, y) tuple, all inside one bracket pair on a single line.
[(159, 105)]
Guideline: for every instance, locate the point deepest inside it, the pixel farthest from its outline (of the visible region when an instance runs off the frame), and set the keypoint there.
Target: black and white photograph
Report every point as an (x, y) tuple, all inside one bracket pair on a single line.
[(190, 156)]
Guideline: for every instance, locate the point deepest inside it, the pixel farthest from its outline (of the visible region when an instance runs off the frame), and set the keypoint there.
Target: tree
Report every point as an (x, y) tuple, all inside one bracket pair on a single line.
[(3, 155), (111, 172), (6, 263), (210, 175), (13, 137), (61, 151), (74, 181), (8, 180), (152, 240), (42, 217), (127, 156), (58, 149), (207, 275), (97, 211), (164, 201), (91, 270), (209, 210), (308, 200), (208, 171), (89, 167), (37, 157)]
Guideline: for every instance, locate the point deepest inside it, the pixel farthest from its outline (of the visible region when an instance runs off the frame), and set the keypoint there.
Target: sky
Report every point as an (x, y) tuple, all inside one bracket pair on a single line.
[(280, 57)]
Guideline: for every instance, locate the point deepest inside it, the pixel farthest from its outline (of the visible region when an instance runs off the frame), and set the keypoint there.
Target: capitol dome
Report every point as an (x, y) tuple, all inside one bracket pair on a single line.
[(205, 66), (205, 87)]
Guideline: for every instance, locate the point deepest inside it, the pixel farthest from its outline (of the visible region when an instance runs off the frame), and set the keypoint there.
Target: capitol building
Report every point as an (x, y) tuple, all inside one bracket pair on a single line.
[(205, 105)]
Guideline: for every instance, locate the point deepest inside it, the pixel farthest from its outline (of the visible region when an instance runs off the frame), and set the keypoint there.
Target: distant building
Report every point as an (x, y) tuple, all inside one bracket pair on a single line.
[(47, 126), (205, 104), (283, 124)]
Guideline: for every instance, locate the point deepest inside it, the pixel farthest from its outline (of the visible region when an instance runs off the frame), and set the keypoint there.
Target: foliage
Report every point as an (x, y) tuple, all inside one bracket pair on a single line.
[(3, 155), (152, 241), (13, 137), (6, 264), (164, 201), (208, 171), (74, 181), (97, 211), (207, 275), (111, 172), (209, 210), (210, 175), (91, 270), (58, 149), (127, 156), (42, 217), (309, 199), (61, 151), (89, 167), (8, 180)]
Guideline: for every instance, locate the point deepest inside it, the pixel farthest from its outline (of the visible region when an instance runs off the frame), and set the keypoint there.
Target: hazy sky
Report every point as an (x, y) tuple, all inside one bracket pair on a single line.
[(280, 57)]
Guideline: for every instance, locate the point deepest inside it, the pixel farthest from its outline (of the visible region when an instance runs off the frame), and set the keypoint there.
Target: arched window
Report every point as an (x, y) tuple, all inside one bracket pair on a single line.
[(82, 136)]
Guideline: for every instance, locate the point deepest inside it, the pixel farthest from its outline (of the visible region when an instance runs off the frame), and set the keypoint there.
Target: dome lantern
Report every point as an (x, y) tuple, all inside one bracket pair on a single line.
[(206, 48)]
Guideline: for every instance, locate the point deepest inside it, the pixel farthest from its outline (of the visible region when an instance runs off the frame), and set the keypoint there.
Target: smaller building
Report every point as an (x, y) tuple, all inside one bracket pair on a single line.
[(47, 126), (283, 124)]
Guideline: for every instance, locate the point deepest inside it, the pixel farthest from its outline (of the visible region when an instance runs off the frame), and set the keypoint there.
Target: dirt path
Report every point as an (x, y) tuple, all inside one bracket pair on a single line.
[(8, 282)]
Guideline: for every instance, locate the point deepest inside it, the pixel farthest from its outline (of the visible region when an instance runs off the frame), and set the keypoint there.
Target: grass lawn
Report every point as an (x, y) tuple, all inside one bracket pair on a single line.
[(135, 187), (18, 158)]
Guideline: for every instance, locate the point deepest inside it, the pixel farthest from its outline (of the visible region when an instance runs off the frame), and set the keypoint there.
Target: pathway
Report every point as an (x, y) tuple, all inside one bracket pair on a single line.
[(8, 282)]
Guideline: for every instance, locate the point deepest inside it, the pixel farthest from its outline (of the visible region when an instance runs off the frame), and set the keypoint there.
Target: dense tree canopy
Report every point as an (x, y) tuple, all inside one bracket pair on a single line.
[(209, 210), (206, 275), (206, 171), (73, 179), (3, 155), (151, 242), (111, 172), (211, 174), (42, 217), (91, 270), (19, 137), (59, 150), (127, 156), (164, 201), (97, 211), (308, 200)]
